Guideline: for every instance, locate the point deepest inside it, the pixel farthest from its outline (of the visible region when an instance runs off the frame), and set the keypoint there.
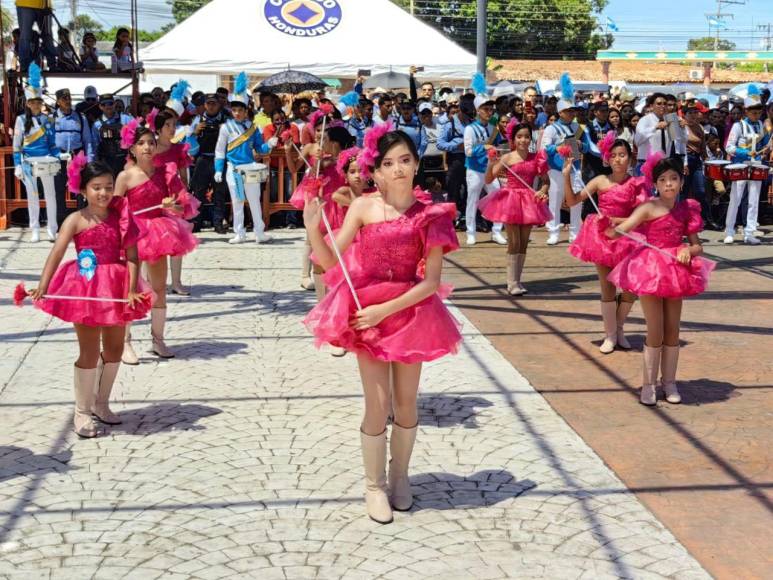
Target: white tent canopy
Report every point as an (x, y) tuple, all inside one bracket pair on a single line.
[(329, 38)]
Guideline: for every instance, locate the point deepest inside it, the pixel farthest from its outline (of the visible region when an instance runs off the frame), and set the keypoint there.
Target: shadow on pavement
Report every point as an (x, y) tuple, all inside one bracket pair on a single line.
[(441, 491), (210, 350), (448, 410), (163, 417), (706, 391), (16, 461)]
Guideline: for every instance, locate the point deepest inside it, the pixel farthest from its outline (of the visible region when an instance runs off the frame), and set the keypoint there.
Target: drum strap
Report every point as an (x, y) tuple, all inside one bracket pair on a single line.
[(29, 139), (243, 138), (239, 183)]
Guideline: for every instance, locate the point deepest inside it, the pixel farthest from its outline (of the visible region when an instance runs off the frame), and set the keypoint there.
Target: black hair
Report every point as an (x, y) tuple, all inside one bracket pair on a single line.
[(364, 102), (93, 170), (668, 164), (221, 91), (467, 107), (162, 118), (141, 131), (622, 143), (519, 127), (302, 100), (118, 33), (27, 118), (384, 98), (392, 139), (341, 136), (654, 97), (445, 91)]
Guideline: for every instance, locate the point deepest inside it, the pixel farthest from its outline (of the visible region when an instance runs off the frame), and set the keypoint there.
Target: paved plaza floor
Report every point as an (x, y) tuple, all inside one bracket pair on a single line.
[(240, 458)]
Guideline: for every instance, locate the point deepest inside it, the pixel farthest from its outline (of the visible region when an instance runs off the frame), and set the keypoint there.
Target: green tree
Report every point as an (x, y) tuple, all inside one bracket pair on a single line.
[(707, 43), (9, 22), (181, 9), (522, 28), (82, 24), (142, 35)]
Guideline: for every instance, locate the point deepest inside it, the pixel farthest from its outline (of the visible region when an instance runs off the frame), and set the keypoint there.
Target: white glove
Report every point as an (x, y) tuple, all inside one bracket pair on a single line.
[(272, 142), (18, 172), (64, 156), (218, 177)]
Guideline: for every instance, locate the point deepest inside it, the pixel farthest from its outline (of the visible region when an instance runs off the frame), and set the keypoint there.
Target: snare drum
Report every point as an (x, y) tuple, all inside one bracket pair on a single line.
[(44, 166), (714, 169), (736, 172), (758, 172), (253, 172)]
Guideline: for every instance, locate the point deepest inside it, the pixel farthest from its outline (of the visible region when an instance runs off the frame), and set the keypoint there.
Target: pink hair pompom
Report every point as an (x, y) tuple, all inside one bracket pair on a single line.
[(564, 151), (74, 172), (367, 158), (326, 108), (492, 154), (150, 119), (127, 133), (19, 294), (649, 166), (286, 135), (605, 145), (510, 130), (345, 157)]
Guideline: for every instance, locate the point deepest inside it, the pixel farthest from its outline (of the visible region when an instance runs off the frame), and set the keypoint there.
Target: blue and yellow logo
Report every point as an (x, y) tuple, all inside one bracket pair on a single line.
[(303, 17)]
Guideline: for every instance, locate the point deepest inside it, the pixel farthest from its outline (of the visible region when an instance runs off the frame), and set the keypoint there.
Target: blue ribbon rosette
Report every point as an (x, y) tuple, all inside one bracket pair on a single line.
[(87, 263)]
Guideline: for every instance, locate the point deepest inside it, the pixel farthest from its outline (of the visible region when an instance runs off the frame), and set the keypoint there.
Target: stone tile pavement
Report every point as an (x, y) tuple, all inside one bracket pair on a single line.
[(240, 458)]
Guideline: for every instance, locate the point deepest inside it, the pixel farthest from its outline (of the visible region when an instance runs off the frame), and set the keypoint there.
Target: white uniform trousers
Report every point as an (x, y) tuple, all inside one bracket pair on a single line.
[(33, 202), (736, 195), (252, 193), (476, 182), (556, 198)]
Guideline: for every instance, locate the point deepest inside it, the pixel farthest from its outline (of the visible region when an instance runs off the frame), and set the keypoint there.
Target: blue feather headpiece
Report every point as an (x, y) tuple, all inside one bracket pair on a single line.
[(478, 84), (752, 90), (34, 76), (178, 93), (351, 98), (240, 85), (567, 88)]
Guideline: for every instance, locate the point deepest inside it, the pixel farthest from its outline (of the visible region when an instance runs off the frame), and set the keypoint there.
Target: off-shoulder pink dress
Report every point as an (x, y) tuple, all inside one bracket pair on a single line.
[(592, 244), (171, 162), (515, 203), (162, 232), (391, 258), (648, 272), (99, 272)]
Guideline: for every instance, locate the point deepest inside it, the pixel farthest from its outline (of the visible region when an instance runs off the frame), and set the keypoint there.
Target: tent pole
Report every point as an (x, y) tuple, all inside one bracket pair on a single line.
[(481, 36)]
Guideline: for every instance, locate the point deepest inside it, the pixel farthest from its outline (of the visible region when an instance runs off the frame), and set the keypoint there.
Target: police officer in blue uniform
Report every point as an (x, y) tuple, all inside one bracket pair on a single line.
[(106, 134), (73, 135)]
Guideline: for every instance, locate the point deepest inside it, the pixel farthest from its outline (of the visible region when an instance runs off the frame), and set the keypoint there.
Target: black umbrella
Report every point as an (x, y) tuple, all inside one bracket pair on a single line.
[(291, 81)]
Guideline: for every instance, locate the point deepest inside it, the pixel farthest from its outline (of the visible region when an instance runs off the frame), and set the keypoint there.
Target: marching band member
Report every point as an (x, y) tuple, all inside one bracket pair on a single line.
[(554, 136), (478, 138), (34, 137), (747, 142), (237, 140)]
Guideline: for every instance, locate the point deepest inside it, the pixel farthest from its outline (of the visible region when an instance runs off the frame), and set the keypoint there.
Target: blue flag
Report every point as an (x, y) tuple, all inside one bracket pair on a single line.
[(714, 22), (611, 25)]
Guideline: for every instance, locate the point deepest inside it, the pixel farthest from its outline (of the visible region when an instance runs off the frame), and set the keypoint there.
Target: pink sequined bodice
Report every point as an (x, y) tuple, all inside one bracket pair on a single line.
[(104, 239), (669, 230), (533, 166), (392, 250), (620, 200), (148, 194), (177, 154)]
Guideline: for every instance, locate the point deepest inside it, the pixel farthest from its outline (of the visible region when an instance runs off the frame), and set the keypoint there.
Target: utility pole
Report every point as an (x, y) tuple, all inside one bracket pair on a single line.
[(73, 14), (768, 38), (719, 15), (482, 14), (411, 7)]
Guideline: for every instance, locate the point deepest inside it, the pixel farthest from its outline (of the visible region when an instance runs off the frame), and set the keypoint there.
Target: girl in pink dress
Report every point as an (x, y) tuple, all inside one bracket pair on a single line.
[(618, 195), (107, 266), (330, 180), (662, 278), (403, 322), (516, 205), (173, 159), (164, 232)]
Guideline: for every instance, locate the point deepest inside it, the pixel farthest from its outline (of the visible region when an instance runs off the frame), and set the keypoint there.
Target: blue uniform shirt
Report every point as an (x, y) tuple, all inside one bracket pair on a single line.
[(73, 132), (39, 141), (241, 154)]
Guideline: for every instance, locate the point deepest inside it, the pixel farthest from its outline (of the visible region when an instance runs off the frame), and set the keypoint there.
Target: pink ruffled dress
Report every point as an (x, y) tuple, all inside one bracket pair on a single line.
[(171, 162), (391, 259), (648, 272), (162, 233), (592, 244), (309, 186), (107, 276), (515, 203)]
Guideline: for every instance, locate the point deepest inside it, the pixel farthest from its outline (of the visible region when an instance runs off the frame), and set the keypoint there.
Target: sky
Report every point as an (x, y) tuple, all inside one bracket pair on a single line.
[(642, 24)]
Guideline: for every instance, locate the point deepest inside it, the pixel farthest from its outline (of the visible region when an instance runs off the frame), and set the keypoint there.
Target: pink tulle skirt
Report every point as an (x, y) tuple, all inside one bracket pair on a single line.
[(593, 246), (164, 235), (109, 281), (424, 332), (648, 272), (514, 206)]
